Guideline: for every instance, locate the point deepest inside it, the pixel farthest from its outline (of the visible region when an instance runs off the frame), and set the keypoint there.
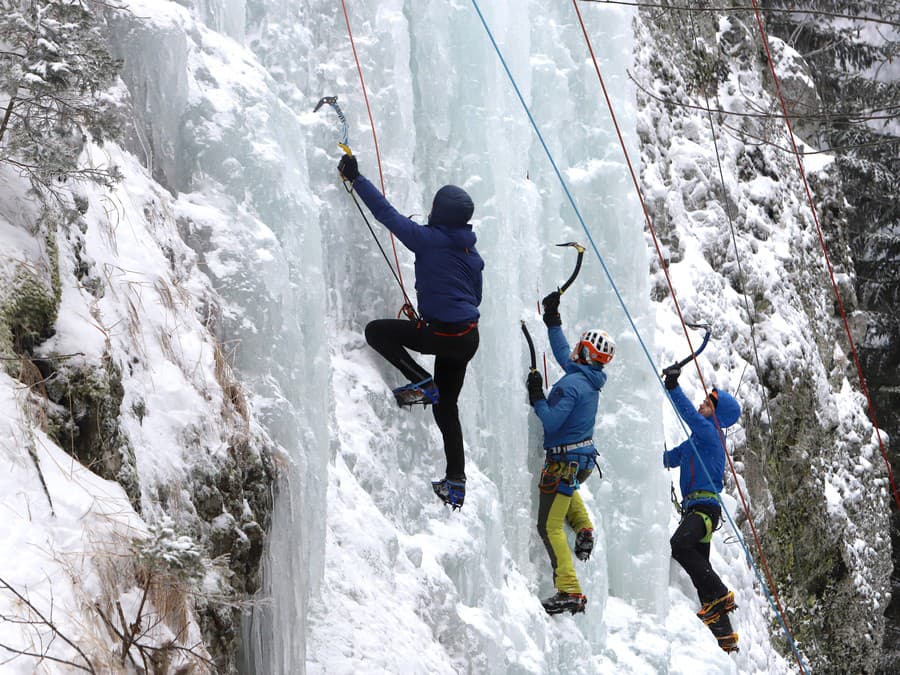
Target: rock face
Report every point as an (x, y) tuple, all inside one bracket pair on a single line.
[(846, 66), (810, 462)]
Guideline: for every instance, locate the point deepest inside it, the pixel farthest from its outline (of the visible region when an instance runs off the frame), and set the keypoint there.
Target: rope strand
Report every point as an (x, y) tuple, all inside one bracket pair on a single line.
[(837, 294), (398, 274), (776, 606)]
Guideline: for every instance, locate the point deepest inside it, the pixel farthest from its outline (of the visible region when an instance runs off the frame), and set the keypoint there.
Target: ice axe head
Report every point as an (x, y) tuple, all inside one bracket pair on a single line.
[(332, 101), (578, 247)]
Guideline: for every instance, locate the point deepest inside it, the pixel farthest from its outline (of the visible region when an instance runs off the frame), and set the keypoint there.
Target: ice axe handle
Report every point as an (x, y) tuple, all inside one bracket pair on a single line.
[(530, 347)]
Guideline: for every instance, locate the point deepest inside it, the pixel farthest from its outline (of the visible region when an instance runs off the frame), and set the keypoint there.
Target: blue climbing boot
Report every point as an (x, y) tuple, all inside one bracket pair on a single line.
[(423, 392), (452, 492)]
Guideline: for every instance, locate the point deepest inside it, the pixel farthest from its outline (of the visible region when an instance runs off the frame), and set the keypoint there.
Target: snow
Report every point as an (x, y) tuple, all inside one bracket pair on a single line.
[(54, 553)]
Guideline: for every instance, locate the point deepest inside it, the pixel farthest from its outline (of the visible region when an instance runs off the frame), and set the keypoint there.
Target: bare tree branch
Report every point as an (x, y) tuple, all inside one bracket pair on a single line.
[(46, 622)]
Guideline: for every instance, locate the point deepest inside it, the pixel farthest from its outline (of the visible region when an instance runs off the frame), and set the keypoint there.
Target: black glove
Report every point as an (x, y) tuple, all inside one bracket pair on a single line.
[(671, 374), (348, 169), (535, 384), (551, 309)]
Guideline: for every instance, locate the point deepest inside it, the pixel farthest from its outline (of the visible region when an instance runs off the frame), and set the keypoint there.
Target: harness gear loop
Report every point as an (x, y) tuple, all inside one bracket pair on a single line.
[(550, 478), (407, 309), (675, 501)]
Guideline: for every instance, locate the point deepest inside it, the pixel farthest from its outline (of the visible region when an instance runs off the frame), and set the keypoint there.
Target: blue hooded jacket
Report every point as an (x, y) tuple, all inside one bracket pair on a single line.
[(448, 268), (570, 411), (703, 468)]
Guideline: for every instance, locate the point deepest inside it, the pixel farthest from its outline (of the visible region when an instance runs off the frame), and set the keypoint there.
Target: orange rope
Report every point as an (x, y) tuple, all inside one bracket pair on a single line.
[(362, 83), (815, 215), (678, 309)]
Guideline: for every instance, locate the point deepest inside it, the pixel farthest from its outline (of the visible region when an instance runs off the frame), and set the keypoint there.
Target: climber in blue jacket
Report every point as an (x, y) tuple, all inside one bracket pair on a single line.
[(448, 287), (568, 415), (701, 462)]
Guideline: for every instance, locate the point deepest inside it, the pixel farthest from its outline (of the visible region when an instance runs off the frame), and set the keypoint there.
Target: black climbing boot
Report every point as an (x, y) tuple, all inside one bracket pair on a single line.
[(565, 602), (584, 543)]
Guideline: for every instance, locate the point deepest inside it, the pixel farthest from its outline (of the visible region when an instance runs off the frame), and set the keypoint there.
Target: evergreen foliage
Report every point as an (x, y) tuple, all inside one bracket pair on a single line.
[(168, 553), (852, 60), (54, 70)]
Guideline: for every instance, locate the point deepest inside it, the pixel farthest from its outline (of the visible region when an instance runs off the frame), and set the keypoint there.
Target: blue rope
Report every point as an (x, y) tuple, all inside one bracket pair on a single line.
[(634, 327)]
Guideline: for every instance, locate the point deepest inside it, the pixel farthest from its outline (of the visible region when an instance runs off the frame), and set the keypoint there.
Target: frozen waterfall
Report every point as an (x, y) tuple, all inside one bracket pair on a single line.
[(376, 574)]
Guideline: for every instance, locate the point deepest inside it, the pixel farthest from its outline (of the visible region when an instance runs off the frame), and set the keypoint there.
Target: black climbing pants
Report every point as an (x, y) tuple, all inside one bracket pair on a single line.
[(693, 555), (453, 346)]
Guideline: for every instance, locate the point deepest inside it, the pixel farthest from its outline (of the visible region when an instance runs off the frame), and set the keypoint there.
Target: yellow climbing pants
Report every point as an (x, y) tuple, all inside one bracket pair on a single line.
[(560, 502)]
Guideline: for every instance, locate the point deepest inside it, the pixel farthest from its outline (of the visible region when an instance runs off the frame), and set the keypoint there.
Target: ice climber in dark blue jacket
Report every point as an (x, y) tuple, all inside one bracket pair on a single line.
[(701, 462), (568, 416), (448, 288)]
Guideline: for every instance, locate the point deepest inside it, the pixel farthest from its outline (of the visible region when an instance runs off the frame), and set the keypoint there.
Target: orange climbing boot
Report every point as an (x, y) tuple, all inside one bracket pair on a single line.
[(711, 612), (728, 643)]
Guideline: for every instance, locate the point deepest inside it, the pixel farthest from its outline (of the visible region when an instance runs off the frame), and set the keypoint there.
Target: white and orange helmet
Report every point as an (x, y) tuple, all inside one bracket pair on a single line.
[(595, 347)]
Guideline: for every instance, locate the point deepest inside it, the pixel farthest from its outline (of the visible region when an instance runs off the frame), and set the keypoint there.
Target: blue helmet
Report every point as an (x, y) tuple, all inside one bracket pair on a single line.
[(728, 410)]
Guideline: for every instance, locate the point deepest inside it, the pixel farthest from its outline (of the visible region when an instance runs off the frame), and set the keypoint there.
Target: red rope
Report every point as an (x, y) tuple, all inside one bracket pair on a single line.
[(680, 315), (815, 215), (362, 83)]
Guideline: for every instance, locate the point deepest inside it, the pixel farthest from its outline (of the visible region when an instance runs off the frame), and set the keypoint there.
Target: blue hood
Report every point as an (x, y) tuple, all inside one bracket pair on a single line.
[(728, 410), (594, 374), (452, 207)]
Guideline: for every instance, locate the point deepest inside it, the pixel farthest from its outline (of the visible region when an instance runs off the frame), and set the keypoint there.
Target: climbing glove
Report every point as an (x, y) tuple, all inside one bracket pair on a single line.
[(671, 374), (551, 310), (348, 168), (535, 384)]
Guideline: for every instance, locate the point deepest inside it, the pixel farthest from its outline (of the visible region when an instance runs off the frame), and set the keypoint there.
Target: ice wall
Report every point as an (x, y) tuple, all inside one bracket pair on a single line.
[(364, 565), (445, 112)]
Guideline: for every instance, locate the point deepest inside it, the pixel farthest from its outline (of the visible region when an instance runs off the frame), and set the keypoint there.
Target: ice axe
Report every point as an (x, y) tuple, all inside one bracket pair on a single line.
[(686, 360), (578, 247), (562, 289), (530, 342), (332, 101)]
